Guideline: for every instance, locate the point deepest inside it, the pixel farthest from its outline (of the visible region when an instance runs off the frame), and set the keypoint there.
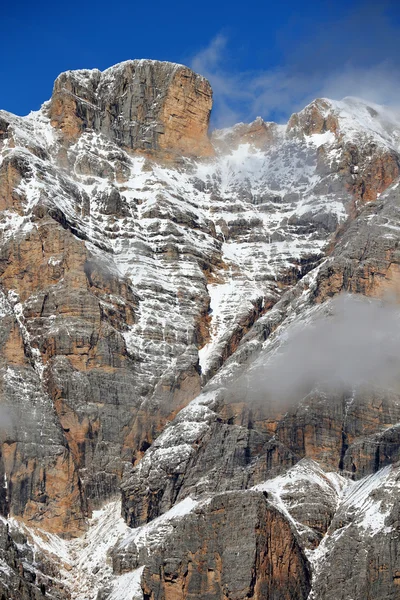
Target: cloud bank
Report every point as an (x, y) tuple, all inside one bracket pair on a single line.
[(356, 344), (355, 56)]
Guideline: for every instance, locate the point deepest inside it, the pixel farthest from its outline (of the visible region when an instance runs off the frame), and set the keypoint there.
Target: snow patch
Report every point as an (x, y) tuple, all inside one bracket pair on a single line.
[(361, 501), (127, 586), (319, 139)]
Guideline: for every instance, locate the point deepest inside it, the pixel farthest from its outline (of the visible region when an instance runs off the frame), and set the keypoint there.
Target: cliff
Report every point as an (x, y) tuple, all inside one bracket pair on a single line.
[(147, 270)]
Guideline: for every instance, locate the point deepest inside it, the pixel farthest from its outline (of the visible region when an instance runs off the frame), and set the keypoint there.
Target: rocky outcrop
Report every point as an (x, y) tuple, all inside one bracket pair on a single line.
[(371, 174), (24, 575), (40, 479), (367, 167), (259, 134), (12, 170), (206, 557), (317, 118), (140, 105), (365, 528), (75, 350), (365, 257)]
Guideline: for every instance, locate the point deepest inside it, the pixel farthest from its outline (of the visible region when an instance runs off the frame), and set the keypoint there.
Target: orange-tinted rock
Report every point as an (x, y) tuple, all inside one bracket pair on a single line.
[(317, 118), (140, 105), (259, 134), (12, 171), (56, 503), (185, 115), (237, 546), (376, 176)]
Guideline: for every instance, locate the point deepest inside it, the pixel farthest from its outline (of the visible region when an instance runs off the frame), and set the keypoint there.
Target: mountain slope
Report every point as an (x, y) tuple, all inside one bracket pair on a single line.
[(145, 265)]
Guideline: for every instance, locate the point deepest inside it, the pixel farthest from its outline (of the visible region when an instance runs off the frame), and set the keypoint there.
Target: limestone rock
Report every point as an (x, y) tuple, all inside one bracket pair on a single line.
[(25, 576), (140, 105), (259, 134), (360, 555), (316, 118), (216, 553), (145, 268)]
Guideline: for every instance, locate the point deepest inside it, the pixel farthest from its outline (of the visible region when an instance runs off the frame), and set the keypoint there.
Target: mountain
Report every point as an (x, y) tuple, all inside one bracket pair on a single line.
[(149, 274)]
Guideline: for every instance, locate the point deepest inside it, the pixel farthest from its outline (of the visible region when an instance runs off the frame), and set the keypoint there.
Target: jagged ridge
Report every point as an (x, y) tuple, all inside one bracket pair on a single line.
[(138, 257)]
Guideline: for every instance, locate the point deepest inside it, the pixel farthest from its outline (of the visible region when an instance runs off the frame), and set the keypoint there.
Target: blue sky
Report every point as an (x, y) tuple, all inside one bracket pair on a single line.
[(262, 58)]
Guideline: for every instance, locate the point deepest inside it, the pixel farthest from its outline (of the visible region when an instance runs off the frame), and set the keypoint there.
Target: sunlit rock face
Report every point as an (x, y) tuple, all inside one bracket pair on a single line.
[(148, 268), (138, 104)]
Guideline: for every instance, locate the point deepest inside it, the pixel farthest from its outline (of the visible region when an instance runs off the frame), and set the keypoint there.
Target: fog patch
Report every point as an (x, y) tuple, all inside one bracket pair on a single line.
[(353, 342), (6, 422)]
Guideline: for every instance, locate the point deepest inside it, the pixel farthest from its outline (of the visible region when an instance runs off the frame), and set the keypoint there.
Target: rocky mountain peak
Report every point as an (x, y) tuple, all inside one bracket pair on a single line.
[(140, 296), (318, 117), (259, 133), (348, 118), (142, 105)]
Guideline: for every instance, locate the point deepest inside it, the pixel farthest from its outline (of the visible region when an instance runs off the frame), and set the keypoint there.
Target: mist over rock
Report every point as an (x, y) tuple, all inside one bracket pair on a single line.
[(350, 343), (199, 392)]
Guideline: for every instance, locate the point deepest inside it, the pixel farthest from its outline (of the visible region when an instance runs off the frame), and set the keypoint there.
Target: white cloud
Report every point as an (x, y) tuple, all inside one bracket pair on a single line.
[(276, 93), (378, 83), (227, 87), (354, 343)]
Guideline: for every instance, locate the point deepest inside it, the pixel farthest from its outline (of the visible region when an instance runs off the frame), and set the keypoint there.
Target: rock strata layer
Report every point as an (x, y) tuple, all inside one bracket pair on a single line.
[(147, 270), (140, 105)]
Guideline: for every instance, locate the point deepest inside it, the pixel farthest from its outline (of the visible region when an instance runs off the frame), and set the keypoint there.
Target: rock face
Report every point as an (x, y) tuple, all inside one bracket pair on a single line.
[(200, 560), (356, 269), (259, 134), (374, 569), (367, 173), (25, 575), (146, 271), (140, 105)]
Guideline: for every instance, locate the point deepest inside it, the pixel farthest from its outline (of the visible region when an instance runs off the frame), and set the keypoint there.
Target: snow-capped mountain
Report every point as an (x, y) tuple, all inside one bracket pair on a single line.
[(147, 269)]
